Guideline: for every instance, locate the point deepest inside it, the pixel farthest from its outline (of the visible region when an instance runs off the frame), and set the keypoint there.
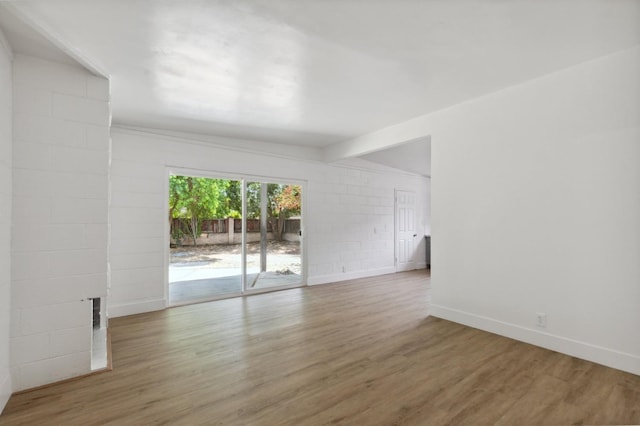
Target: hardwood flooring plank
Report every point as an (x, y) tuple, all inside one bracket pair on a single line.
[(358, 352)]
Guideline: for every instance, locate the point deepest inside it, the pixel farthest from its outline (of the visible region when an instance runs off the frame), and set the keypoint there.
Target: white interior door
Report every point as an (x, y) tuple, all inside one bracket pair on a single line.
[(405, 230)]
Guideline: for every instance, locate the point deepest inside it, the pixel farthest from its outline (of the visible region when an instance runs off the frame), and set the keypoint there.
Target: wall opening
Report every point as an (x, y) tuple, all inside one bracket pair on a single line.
[(99, 345)]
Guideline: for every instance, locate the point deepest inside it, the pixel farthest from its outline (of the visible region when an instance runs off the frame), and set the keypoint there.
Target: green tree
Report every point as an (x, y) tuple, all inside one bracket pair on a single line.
[(253, 200), (194, 199), (233, 200), (284, 202)]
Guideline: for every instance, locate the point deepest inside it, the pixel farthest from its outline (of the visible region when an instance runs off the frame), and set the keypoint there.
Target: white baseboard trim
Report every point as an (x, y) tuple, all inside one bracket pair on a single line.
[(334, 278), (421, 265), (5, 389), (137, 307), (598, 354)]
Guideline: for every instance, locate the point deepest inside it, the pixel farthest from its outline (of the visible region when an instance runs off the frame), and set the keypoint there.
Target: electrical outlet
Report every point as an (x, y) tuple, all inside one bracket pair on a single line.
[(541, 319)]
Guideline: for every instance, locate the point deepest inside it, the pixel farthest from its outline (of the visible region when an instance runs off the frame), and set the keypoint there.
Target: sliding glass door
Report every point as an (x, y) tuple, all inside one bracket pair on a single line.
[(229, 237)]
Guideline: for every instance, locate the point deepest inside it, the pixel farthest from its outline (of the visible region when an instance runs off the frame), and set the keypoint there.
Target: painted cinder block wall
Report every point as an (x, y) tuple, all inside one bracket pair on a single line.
[(349, 212), (61, 122), (6, 143), (536, 208)]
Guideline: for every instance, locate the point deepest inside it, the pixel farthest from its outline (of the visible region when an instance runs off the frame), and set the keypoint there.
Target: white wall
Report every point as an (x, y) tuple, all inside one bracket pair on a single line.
[(536, 208), (60, 195), (5, 216), (342, 207)]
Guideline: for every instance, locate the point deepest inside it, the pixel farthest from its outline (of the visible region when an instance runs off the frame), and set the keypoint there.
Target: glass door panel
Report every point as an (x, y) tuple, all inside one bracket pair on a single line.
[(205, 238), (274, 240)]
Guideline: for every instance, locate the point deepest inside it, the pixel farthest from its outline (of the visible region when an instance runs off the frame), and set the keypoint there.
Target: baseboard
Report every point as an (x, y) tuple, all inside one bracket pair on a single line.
[(137, 307), (67, 380), (5, 389), (421, 265), (333, 278), (598, 354)]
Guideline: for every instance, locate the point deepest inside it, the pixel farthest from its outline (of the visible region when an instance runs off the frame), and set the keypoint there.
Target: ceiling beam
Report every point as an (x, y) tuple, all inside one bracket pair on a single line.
[(408, 131)]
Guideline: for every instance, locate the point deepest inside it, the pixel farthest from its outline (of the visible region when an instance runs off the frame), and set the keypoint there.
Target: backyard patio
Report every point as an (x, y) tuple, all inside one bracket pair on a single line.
[(212, 271)]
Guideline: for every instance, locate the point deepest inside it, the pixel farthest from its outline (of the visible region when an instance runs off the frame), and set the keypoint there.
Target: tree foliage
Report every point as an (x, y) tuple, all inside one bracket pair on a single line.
[(283, 202), (194, 199)]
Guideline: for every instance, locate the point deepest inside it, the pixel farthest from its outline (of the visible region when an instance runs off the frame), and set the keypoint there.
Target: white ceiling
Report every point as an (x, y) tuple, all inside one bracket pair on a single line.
[(26, 40), (315, 73)]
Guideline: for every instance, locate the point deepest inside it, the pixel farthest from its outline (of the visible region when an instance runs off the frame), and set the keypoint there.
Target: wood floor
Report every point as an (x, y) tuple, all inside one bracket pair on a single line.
[(361, 353)]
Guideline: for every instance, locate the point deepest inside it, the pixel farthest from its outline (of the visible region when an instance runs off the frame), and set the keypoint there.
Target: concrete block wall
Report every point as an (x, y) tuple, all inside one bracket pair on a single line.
[(348, 212), (353, 229), (61, 120), (6, 143)]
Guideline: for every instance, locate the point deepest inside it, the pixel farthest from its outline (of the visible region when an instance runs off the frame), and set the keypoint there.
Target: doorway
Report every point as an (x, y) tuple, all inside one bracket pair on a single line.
[(232, 236)]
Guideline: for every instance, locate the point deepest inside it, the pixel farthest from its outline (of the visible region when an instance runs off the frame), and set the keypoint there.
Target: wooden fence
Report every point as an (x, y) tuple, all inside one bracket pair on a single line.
[(221, 226)]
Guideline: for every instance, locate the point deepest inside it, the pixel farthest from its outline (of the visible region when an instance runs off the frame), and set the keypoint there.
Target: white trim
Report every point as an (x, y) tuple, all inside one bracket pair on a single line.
[(598, 354), (221, 174), (6, 387), (166, 240), (138, 307), (243, 236), (304, 251), (334, 278)]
